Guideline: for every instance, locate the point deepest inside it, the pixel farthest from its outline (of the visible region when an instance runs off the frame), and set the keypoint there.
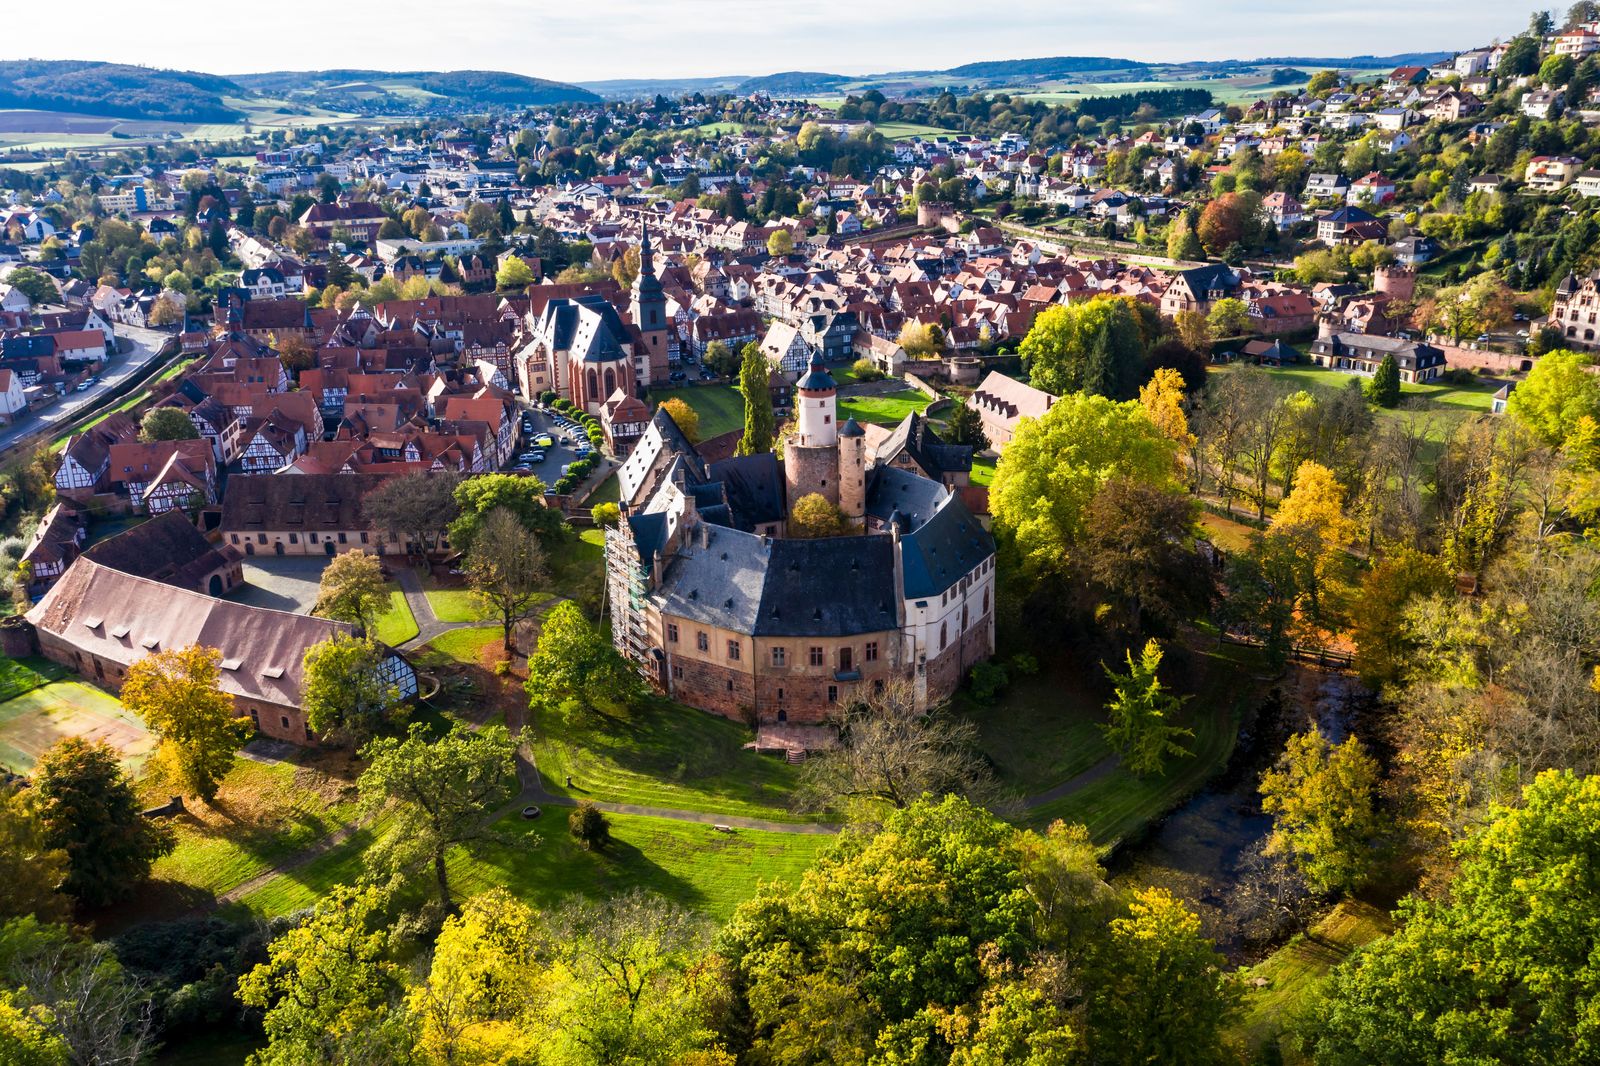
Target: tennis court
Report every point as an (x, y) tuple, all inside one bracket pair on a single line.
[(32, 722)]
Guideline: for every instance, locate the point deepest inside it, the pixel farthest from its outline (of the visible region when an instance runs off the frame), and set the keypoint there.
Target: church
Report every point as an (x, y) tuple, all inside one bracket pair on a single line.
[(581, 348), (721, 610)]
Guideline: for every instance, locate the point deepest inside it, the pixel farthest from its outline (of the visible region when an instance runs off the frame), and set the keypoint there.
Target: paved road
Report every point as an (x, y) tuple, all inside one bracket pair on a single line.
[(147, 345)]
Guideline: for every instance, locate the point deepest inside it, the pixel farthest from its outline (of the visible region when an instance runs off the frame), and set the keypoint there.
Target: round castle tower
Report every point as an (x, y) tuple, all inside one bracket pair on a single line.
[(821, 457)]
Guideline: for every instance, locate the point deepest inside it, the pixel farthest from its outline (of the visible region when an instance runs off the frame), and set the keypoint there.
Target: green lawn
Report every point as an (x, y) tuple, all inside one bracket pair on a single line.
[(687, 862), (1043, 729), (904, 131), (983, 470), (576, 565), (24, 675), (888, 410), (720, 407), (456, 605), (1476, 397), (1295, 971), (610, 491), (264, 813), (459, 645), (662, 755), (395, 626)]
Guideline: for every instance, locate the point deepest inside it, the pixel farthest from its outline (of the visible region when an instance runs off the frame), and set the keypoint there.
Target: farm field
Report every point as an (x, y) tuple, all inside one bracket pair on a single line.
[(31, 722), (903, 131)]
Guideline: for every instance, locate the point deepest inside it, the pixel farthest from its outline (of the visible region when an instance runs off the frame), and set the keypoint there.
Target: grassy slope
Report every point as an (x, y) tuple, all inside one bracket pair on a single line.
[(662, 756), (720, 407), (575, 564), (1292, 974), (888, 410)]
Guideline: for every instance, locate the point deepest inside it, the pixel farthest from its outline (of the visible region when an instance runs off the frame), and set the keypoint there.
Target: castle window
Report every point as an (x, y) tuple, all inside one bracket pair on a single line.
[(944, 635), (833, 693), (285, 720), (778, 656), (677, 672), (985, 601), (730, 684), (672, 633), (701, 641), (870, 652), (816, 656), (827, 419), (733, 650)]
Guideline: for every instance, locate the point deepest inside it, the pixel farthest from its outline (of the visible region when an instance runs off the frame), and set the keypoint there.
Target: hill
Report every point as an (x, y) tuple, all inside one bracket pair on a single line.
[(388, 92), (794, 83), (1050, 67), (115, 89)]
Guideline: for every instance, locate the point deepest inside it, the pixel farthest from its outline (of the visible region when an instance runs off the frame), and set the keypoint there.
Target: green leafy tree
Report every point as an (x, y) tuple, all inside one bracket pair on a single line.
[(177, 692), (344, 692), (1556, 70), (606, 514), (685, 417), (506, 569), (442, 794), (478, 497), (1384, 648), (589, 825), (1142, 714), (1384, 388), (34, 284), (1055, 464), (1229, 317), (1501, 970), (26, 1038), (1323, 802), (1182, 242), (966, 427), (723, 361), (1096, 346), (31, 870), (575, 663), (90, 811), (1138, 554), (780, 243), (70, 992), (166, 423), (329, 986), (513, 274), (1521, 58), (1160, 991), (758, 418), (352, 589), (1556, 394)]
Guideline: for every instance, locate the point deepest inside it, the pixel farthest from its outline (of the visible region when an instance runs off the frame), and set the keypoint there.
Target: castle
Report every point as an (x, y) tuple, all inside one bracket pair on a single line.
[(722, 611), (1573, 313)]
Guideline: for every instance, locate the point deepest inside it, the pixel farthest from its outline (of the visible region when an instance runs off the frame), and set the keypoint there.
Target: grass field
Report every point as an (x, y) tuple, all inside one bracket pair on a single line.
[(24, 675), (575, 565), (32, 722), (983, 470), (720, 407), (1293, 973), (396, 625), (689, 863), (904, 131), (662, 755), (1475, 397), (610, 491), (888, 410), (459, 645), (264, 813)]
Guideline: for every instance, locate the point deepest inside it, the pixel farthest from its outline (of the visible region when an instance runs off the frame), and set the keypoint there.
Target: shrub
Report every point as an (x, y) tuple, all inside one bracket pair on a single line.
[(866, 370), (548, 398), (12, 548), (590, 826), (988, 680)]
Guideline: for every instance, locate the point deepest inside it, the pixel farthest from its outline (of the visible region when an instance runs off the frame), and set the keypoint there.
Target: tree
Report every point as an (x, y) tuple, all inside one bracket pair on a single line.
[(1229, 317), (352, 589), (1055, 464), (1322, 798), (1557, 393), (813, 516), (1311, 521), (606, 514), (1323, 81), (1193, 330), (166, 311), (345, 691), (91, 812), (1182, 243), (574, 663), (70, 993), (1521, 58), (1557, 70), (590, 826), (506, 568), (166, 423), (921, 340), (686, 417), (1224, 222), (34, 284), (721, 360), (328, 986), (892, 753), (30, 869), (413, 509), (1137, 552), (513, 274), (523, 497), (758, 418), (441, 794), (1384, 647), (966, 427), (1384, 388), (1095, 346), (780, 243), (1141, 715), (177, 692), (1161, 992), (1497, 971), (480, 1000)]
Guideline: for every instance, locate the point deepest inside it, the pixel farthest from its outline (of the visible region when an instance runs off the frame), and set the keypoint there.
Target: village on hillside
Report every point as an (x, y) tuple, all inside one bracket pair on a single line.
[(958, 575)]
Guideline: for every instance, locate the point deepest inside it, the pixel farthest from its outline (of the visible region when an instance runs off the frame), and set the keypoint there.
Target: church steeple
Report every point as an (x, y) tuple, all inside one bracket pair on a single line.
[(650, 311), (646, 266)]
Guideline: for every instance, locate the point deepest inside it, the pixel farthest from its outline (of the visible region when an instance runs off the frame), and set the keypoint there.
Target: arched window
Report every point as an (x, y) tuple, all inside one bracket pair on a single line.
[(594, 385), (611, 383)]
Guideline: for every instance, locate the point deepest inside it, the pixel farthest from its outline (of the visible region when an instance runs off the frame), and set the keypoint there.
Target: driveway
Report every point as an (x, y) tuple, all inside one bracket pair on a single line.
[(288, 583), (147, 344)]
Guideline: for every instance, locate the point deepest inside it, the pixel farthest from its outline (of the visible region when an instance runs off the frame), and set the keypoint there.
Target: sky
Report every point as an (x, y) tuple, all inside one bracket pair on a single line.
[(593, 40)]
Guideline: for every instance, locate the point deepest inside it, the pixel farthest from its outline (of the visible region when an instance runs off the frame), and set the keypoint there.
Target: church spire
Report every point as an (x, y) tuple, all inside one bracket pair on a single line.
[(645, 264)]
